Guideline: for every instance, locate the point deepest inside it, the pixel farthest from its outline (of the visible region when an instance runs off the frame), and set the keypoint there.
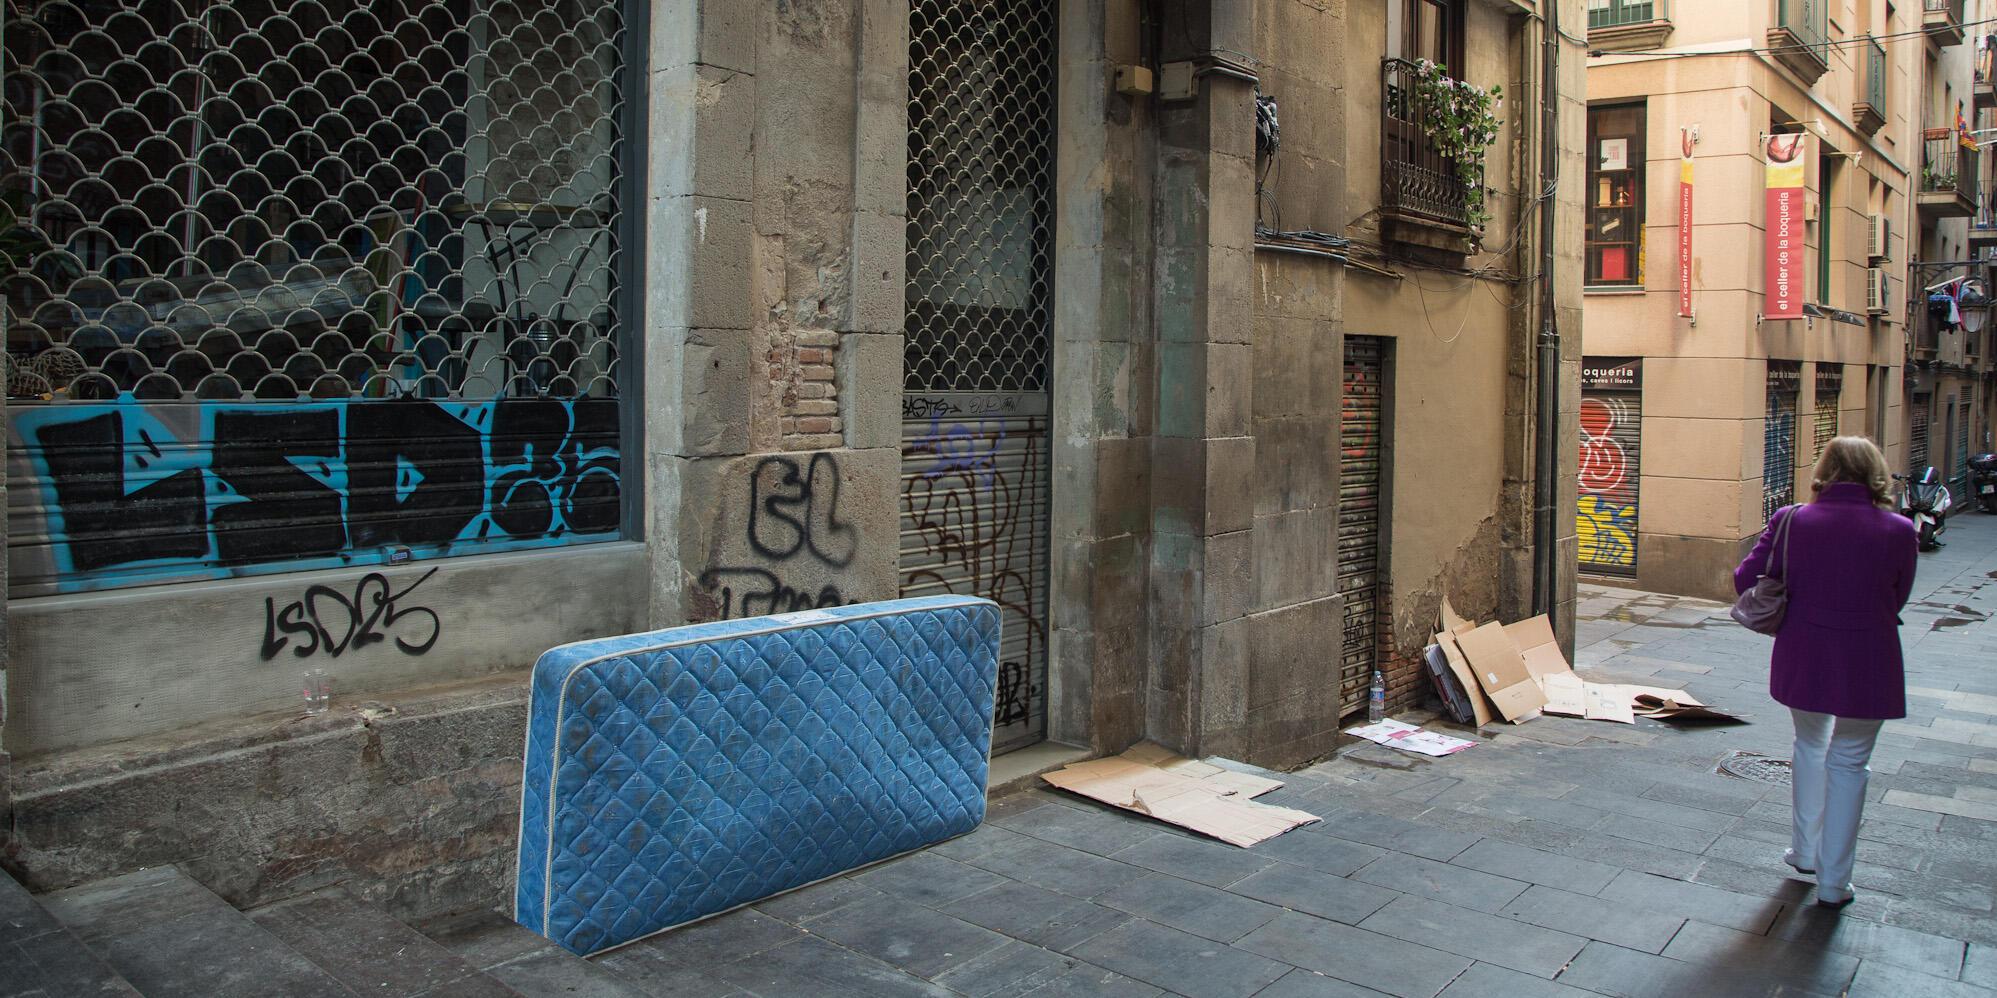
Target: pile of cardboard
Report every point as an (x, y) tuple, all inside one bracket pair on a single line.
[(1516, 671)]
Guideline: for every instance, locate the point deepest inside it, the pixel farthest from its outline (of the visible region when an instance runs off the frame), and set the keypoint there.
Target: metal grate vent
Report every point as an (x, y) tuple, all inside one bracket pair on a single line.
[(1755, 767), (980, 154), (327, 199)]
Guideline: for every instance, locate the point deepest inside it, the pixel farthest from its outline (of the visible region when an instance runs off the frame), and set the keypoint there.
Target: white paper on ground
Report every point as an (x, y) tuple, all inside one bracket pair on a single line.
[(1410, 738)]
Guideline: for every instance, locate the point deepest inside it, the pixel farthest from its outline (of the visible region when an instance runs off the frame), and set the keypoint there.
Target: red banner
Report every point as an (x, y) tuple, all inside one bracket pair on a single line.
[(1685, 223), (1782, 295)]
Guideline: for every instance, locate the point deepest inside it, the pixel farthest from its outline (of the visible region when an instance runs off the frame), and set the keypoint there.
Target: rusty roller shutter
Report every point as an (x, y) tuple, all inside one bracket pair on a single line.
[(1778, 444), (1830, 391), (1360, 466), (308, 283), (1609, 472), (1959, 474), (1917, 434), (975, 431)]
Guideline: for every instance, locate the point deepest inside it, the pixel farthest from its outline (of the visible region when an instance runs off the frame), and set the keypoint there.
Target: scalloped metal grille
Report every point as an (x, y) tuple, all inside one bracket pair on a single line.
[(975, 500), (311, 282), (980, 172), (283, 199)]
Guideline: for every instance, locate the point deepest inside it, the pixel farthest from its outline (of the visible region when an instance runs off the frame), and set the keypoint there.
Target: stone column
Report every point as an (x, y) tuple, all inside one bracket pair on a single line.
[(1202, 561)]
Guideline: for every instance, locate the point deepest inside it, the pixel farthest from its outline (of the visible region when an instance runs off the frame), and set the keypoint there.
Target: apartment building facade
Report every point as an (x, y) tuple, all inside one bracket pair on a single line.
[(1773, 187), (407, 349)]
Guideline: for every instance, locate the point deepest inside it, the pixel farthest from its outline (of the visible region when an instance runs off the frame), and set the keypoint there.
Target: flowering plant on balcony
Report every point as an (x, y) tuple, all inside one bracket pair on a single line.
[(1461, 119)]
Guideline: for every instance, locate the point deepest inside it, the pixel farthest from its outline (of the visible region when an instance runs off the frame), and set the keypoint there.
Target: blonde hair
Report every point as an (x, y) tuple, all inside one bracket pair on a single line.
[(1853, 459)]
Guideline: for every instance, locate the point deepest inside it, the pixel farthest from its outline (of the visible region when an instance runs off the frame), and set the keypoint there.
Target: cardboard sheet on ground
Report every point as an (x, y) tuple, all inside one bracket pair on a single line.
[(1502, 671), (1200, 796), (1410, 738)]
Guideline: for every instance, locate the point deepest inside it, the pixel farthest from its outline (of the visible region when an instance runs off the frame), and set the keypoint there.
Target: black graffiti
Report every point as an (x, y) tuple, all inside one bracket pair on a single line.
[(787, 505), (107, 524), (1014, 702), (917, 407), (759, 591), (367, 617), (278, 482)]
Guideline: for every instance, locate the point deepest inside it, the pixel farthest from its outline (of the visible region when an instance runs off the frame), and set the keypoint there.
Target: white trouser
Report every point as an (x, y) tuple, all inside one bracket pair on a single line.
[(1830, 774)]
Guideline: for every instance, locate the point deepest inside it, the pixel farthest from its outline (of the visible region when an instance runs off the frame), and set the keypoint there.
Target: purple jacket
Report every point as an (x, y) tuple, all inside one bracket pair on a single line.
[(1851, 568)]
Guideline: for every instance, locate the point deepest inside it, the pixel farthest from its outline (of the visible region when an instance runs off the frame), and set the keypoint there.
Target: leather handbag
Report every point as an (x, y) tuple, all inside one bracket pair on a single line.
[(1761, 607)]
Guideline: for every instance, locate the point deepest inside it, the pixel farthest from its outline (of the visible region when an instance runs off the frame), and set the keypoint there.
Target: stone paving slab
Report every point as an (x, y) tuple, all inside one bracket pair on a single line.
[(1560, 858)]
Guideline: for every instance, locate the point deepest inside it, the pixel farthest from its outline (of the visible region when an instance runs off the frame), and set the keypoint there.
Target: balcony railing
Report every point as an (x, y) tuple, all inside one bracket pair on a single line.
[(1616, 13), (1415, 180), (1948, 167), (1870, 108), (1943, 20), (1800, 38)]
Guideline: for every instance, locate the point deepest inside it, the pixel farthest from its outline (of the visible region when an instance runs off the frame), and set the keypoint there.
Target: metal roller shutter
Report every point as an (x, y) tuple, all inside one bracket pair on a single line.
[(1778, 445), (975, 432), (309, 284), (1959, 476), (1830, 392), (1917, 434), (1360, 466), (1609, 473)]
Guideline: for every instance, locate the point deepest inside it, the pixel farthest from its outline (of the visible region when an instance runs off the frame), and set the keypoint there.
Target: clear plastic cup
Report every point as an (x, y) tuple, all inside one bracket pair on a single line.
[(318, 691)]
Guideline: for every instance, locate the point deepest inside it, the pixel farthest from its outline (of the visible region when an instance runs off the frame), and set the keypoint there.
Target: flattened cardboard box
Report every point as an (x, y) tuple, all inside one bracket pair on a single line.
[(1200, 796), (1502, 671)]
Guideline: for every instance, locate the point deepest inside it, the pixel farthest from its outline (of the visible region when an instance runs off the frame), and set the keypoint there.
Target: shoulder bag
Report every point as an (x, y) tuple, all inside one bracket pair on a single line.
[(1761, 607)]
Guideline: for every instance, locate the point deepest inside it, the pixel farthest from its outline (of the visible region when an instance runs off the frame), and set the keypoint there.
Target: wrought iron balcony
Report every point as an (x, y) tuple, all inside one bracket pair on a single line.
[(1943, 20), (1983, 230), (1984, 81), (1869, 111), (1615, 25), (1948, 176), (1801, 36), (1416, 181)]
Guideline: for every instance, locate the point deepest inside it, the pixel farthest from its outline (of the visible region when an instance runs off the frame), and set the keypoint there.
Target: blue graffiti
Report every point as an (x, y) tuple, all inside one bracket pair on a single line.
[(133, 491), (969, 449)]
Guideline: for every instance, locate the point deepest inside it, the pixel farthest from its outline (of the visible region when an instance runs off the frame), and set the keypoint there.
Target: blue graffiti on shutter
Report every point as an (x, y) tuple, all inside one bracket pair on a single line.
[(136, 492)]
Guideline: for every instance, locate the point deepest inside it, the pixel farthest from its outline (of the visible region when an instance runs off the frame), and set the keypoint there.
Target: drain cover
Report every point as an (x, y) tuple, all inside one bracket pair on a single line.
[(1752, 766)]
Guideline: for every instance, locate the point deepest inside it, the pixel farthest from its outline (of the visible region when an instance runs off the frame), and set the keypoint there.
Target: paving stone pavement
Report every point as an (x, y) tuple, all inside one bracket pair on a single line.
[(1560, 857)]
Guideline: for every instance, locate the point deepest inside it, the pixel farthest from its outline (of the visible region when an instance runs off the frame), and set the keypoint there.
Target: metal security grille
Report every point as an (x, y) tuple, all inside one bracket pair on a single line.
[(1830, 391), (1778, 449), (1610, 472), (980, 187), (975, 431), (352, 260), (1917, 435), (1360, 466)]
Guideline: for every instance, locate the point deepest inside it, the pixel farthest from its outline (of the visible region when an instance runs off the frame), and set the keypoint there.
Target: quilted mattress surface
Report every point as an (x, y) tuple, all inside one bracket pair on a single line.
[(674, 775)]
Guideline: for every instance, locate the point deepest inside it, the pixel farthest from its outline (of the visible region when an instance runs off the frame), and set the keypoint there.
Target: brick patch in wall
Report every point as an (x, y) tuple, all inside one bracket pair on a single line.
[(804, 375)]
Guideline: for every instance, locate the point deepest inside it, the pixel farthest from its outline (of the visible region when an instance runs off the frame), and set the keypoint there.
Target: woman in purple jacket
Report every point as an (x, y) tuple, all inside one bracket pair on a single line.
[(1837, 667)]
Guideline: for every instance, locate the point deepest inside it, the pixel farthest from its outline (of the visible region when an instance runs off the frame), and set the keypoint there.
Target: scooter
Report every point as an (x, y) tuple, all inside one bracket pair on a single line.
[(1926, 501), (1983, 480)]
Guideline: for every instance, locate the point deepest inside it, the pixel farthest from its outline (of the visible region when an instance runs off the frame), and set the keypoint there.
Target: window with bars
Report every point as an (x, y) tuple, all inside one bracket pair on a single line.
[(354, 260)]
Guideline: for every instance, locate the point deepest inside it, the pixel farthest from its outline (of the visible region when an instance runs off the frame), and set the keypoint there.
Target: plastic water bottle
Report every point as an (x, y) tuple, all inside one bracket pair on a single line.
[(1376, 704)]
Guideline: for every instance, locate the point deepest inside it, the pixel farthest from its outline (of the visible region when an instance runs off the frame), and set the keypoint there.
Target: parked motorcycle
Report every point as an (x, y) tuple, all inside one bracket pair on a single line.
[(1926, 501), (1983, 480)]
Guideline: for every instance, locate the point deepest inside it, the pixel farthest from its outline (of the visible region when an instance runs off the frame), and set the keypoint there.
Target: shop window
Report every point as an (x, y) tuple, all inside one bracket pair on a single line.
[(1614, 225)]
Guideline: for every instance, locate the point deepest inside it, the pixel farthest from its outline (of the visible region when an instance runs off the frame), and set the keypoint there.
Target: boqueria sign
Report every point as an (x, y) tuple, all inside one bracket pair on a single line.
[(1611, 373), (1783, 289)]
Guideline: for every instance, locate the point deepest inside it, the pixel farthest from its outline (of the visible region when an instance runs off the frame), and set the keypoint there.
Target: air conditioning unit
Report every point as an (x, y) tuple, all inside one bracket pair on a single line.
[(1878, 290), (1878, 237)]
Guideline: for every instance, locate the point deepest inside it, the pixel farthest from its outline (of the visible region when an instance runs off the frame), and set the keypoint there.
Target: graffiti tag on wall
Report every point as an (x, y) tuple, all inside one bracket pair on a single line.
[(1605, 515), (367, 616), (969, 493), (792, 523), (136, 491)]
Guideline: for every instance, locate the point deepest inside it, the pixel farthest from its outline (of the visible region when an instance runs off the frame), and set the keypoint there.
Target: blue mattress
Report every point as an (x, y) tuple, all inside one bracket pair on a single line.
[(674, 775)]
